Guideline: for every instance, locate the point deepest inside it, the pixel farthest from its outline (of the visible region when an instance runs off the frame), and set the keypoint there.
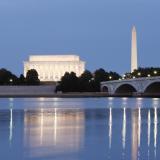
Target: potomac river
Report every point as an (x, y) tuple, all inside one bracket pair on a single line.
[(79, 128)]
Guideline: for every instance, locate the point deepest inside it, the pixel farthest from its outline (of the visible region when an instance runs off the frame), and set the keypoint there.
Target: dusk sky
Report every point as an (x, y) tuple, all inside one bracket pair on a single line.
[(99, 31)]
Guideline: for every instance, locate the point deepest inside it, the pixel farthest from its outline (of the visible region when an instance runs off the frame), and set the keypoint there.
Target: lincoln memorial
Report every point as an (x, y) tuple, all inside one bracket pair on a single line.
[(53, 67)]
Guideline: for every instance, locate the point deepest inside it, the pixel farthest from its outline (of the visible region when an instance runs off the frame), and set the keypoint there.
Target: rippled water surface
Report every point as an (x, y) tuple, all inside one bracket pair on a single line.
[(79, 129)]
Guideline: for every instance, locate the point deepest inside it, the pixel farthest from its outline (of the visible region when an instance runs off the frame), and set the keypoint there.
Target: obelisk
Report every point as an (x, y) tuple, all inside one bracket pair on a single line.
[(134, 63)]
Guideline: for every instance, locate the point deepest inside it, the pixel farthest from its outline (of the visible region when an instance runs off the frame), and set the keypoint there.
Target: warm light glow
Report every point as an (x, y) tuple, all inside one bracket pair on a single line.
[(139, 127), (148, 75), (110, 77), (55, 125), (11, 126), (149, 131), (149, 127), (139, 73), (41, 126), (155, 72), (135, 134), (139, 102), (124, 129), (110, 127), (53, 67), (155, 102), (49, 128), (134, 77)]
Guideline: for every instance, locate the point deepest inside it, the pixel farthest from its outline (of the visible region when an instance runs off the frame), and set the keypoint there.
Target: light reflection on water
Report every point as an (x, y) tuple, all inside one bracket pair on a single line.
[(61, 130), (108, 132)]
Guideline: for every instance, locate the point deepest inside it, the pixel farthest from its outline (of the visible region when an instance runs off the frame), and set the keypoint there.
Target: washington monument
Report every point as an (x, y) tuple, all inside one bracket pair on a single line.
[(134, 63)]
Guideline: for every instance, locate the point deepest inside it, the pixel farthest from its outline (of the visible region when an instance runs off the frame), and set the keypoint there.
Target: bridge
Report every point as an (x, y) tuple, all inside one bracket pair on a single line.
[(138, 86)]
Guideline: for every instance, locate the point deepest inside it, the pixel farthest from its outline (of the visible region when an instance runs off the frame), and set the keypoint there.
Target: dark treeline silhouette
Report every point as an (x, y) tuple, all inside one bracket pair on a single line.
[(90, 82), (143, 72), (8, 78), (87, 82)]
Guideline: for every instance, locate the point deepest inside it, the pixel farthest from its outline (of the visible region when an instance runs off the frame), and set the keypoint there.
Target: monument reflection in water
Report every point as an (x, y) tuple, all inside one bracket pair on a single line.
[(57, 130), (112, 132)]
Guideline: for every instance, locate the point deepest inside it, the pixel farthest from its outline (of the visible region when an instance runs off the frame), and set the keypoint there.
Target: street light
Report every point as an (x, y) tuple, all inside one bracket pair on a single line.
[(139, 73), (148, 75), (155, 72), (110, 77), (10, 81)]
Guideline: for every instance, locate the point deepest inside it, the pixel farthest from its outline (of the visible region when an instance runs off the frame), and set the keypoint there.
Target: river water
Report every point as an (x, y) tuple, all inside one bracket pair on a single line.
[(79, 129)]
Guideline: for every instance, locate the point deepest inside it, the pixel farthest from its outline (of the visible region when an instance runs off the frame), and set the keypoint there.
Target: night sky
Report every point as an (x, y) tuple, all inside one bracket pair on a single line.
[(99, 31)]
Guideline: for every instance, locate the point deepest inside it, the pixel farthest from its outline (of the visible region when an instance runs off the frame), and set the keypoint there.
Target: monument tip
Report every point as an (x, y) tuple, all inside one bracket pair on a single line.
[(134, 28)]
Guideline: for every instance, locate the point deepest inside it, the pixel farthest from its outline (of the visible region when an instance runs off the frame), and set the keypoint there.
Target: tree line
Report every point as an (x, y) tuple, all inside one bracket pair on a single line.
[(70, 82), (143, 72), (87, 82), (90, 82), (8, 78)]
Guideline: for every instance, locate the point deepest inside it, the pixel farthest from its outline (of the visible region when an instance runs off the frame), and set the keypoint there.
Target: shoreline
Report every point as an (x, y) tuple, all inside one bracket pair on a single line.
[(75, 95)]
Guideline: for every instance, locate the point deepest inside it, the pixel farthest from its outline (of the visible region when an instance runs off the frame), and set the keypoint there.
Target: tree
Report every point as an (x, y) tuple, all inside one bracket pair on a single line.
[(22, 80), (7, 78), (113, 76), (84, 81), (69, 83), (143, 72), (86, 75), (32, 77), (99, 76)]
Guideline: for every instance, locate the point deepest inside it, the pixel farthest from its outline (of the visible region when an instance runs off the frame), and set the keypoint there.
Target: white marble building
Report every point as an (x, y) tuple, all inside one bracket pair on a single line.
[(53, 67)]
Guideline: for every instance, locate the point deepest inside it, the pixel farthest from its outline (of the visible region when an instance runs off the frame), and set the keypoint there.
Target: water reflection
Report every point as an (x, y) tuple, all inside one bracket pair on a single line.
[(139, 127), (55, 125), (137, 132), (149, 131), (11, 120), (155, 130), (110, 127), (112, 132), (124, 106), (124, 129), (41, 127), (11, 126), (134, 134), (57, 128)]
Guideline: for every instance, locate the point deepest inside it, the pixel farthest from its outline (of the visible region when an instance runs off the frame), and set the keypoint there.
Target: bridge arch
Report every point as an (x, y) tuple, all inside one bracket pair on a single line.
[(152, 87), (125, 88), (105, 89)]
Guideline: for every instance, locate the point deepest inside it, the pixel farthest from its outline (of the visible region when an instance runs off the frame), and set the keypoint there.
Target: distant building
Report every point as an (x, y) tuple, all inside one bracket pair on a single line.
[(53, 67)]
